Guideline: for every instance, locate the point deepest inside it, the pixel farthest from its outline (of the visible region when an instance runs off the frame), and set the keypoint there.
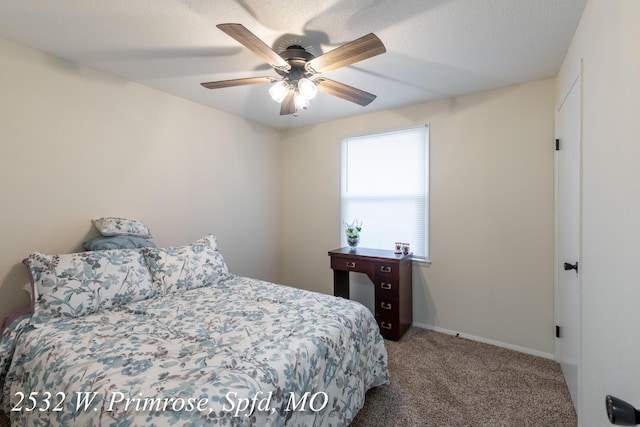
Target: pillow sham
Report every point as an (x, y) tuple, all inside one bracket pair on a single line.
[(78, 284), (117, 242), (180, 268), (114, 226)]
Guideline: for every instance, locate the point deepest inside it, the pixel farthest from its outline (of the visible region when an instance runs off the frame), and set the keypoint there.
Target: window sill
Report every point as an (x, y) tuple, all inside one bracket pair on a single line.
[(422, 261)]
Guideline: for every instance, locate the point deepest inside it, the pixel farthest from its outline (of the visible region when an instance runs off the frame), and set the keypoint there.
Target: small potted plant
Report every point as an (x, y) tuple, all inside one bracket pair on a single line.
[(352, 232)]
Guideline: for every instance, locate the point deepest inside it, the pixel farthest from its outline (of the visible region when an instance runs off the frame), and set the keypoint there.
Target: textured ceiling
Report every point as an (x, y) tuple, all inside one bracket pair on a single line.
[(435, 48)]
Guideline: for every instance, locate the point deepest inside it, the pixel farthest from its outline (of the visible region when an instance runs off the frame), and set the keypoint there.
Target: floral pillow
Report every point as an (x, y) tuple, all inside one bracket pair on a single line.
[(113, 226), (181, 268), (74, 285)]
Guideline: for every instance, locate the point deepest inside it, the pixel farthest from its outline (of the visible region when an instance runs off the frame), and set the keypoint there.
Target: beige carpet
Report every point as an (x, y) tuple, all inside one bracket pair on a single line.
[(443, 380)]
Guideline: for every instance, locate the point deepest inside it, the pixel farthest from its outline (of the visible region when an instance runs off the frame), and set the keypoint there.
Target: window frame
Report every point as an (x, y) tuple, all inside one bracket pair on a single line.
[(426, 168)]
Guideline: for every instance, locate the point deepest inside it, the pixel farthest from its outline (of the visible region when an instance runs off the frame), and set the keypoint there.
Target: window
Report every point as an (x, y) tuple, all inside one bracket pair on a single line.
[(385, 184)]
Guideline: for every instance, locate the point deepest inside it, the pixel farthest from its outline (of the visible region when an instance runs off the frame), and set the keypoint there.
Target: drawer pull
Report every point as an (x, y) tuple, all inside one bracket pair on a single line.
[(351, 264), (386, 286), (385, 269), (385, 305), (385, 325)]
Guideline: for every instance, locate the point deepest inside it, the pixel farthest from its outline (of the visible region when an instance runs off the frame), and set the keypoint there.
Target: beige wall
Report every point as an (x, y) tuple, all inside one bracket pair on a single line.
[(76, 144), (491, 211), (607, 41)]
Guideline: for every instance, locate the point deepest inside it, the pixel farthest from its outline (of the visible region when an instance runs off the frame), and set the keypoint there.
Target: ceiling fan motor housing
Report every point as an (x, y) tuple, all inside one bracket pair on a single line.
[(296, 56)]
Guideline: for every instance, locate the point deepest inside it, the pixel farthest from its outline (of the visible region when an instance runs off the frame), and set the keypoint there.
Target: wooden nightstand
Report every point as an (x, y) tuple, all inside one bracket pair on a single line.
[(391, 276)]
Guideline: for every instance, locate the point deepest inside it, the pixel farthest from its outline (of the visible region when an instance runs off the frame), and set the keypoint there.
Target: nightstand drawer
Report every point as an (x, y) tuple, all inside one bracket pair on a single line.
[(387, 307), (389, 327), (388, 288), (351, 264), (383, 269)]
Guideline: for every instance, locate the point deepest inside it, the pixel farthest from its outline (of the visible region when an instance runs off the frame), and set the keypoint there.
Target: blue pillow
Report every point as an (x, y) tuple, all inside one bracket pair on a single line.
[(117, 242)]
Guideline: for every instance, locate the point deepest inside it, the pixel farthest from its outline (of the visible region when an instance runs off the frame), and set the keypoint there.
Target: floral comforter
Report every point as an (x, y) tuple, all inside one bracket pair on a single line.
[(244, 352)]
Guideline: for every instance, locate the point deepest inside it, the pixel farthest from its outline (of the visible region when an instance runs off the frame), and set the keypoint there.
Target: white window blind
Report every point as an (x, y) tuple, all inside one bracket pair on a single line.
[(385, 184)]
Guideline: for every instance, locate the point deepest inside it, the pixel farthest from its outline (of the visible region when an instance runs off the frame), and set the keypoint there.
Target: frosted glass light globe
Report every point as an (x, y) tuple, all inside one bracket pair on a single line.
[(279, 91), (307, 88)]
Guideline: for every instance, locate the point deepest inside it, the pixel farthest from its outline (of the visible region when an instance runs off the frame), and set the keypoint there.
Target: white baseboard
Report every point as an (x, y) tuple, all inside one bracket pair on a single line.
[(487, 341)]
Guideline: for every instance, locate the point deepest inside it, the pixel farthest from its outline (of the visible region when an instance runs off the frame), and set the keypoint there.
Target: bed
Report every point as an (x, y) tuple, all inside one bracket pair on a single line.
[(169, 337)]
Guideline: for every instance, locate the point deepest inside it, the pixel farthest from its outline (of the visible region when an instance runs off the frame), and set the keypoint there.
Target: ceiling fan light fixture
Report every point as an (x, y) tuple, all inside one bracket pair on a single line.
[(279, 91), (301, 101), (296, 66), (307, 88)]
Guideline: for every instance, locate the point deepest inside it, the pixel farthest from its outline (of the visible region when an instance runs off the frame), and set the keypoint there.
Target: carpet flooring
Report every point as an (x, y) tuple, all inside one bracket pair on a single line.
[(442, 380)]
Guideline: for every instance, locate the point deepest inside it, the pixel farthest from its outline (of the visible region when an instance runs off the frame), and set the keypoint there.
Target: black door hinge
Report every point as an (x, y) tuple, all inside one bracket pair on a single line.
[(557, 331), (568, 266), (557, 145)]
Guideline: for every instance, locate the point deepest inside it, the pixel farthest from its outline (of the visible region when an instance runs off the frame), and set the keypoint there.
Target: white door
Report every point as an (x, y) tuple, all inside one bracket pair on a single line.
[(567, 251)]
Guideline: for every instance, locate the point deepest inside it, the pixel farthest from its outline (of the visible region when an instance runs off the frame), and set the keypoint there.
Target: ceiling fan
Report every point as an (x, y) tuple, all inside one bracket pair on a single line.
[(296, 66)]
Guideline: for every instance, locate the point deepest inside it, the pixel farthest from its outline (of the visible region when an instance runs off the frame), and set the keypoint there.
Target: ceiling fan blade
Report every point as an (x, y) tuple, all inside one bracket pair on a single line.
[(347, 54), (253, 43), (344, 91), (238, 82), (289, 104)]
